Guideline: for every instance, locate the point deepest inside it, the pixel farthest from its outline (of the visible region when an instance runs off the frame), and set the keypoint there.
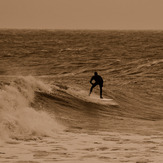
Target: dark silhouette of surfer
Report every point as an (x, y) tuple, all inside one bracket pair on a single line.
[(98, 81)]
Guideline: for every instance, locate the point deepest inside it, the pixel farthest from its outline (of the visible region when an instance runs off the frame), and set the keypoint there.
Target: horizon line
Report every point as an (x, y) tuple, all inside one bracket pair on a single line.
[(81, 29)]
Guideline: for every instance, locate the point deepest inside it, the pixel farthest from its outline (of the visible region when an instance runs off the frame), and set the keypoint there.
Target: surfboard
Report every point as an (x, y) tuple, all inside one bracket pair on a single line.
[(93, 98), (104, 101)]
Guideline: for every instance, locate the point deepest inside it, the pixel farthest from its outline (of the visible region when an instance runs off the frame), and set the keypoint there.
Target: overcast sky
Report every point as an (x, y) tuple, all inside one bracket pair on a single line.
[(82, 14)]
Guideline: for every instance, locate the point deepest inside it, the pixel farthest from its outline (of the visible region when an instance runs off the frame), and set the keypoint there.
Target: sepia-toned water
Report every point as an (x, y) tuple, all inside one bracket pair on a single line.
[(46, 114)]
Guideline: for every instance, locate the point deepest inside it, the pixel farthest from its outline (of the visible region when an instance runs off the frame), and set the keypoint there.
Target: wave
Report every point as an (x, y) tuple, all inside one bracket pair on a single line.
[(18, 119), (31, 108), (74, 107)]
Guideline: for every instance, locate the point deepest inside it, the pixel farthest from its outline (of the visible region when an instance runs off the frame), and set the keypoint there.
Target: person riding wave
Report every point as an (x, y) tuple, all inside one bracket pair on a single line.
[(98, 81)]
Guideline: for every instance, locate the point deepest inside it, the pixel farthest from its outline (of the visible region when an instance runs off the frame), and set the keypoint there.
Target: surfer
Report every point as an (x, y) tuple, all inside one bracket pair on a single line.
[(98, 81)]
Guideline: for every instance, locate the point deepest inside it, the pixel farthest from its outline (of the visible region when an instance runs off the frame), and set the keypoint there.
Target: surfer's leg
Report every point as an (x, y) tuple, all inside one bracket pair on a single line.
[(93, 85), (100, 91)]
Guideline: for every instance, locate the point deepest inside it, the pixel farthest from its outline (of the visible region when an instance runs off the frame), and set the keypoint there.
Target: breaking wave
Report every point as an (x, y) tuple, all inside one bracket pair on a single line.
[(18, 119)]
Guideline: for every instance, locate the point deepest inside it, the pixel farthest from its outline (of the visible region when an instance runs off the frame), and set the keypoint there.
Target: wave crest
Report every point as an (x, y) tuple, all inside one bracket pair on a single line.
[(18, 118)]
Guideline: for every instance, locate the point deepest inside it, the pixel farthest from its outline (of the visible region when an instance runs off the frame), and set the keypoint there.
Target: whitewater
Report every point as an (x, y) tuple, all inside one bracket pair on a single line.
[(46, 114)]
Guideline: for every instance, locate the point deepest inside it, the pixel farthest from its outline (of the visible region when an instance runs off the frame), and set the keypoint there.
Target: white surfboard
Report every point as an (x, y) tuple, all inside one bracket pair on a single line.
[(104, 101), (94, 98)]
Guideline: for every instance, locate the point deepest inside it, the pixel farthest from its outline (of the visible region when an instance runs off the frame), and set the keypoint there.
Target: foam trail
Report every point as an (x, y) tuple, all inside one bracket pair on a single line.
[(17, 118)]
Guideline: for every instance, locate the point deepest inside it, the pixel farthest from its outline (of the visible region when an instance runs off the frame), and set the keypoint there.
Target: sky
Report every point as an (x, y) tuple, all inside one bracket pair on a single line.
[(82, 14)]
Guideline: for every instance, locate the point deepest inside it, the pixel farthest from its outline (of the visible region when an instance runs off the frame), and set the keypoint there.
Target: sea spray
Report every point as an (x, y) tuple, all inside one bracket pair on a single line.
[(18, 119)]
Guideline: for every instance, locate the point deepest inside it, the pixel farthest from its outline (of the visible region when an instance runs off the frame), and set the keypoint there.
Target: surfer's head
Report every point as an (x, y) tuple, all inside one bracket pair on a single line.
[(95, 73)]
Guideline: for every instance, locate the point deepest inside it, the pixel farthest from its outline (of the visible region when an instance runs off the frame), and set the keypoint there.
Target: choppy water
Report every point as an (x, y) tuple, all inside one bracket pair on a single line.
[(44, 81)]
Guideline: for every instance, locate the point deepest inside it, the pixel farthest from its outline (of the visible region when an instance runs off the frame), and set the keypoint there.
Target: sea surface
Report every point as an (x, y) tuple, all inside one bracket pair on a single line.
[(46, 114)]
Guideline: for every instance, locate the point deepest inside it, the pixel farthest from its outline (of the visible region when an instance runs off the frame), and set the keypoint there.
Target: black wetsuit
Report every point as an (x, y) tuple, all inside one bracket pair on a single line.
[(98, 81)]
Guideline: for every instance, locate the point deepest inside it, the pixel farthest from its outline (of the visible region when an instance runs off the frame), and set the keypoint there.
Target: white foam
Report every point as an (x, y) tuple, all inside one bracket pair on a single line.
[(17, 117)]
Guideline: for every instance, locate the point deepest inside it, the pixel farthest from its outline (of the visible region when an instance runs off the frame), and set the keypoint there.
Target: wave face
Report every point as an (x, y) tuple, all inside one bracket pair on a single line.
[(60, 65)]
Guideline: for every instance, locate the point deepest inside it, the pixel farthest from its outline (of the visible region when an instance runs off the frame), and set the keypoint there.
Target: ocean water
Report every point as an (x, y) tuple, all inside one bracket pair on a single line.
[(46, 114)]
